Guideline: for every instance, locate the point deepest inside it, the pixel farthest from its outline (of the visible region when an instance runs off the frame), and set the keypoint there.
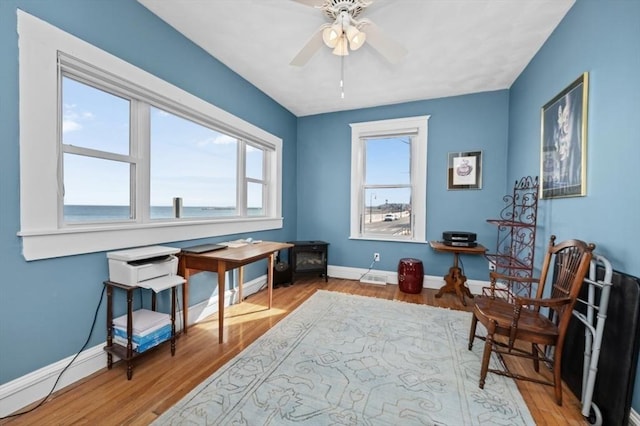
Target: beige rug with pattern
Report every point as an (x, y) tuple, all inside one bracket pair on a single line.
[(340, 359)]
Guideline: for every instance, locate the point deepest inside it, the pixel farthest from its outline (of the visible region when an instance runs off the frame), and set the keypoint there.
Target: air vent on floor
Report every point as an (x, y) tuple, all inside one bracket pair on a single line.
[(370, 278)]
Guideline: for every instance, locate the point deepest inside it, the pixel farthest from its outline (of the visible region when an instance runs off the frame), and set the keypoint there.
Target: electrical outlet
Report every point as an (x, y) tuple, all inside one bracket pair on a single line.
[(492, 266), (376, 257)]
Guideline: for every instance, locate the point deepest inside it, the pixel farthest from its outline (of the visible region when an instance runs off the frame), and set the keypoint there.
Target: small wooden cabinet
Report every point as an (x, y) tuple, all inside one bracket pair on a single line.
[(127, 353), (308, 257)]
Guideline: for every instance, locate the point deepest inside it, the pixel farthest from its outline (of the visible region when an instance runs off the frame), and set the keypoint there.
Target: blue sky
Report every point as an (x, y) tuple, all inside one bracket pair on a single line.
[(388, 162)]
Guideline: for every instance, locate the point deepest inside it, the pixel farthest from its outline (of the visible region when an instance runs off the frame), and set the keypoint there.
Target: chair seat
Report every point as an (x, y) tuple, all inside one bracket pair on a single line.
[(532, 326)]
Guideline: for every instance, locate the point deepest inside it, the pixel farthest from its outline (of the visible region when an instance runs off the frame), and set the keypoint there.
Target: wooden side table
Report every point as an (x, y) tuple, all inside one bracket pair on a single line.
[(455, 280), (127, 353)]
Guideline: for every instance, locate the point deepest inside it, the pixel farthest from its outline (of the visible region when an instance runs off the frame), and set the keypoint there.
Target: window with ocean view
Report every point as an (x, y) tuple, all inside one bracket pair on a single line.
[(128, 159), (193, 169), (97, 165), (204, 177)]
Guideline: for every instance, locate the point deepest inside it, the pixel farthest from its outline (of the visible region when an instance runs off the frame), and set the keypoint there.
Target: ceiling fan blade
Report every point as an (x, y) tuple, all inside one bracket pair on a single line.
[(386, 46), (309, 49)]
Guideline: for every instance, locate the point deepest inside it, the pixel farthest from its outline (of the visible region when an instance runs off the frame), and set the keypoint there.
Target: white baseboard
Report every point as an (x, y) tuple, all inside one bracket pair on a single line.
[(430, 281), (36, 385)]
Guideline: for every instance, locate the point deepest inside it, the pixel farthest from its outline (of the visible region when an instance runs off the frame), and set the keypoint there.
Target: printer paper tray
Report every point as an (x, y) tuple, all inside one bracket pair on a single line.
[(162, 283)]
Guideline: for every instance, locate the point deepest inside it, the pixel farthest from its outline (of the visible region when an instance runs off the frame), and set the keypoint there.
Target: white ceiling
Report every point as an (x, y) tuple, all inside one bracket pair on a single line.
[(454, 47)]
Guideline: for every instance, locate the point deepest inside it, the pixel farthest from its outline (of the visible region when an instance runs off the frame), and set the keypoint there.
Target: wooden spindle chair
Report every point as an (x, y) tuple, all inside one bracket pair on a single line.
[(515, 323)]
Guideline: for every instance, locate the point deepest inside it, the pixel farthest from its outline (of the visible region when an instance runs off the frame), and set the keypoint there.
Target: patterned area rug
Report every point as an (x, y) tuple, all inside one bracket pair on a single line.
[(351, 360)]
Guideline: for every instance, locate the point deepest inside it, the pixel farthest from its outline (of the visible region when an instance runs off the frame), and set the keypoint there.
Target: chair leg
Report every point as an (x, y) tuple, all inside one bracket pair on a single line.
[(472, 331), (486, 355), (536, 361), (557, 375)]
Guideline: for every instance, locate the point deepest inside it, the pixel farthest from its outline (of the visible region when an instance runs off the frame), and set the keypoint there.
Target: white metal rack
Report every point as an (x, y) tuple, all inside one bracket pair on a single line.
[(594, 320)]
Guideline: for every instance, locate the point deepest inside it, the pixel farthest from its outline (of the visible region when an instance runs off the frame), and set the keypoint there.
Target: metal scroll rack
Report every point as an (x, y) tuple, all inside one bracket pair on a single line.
[(516, 236)]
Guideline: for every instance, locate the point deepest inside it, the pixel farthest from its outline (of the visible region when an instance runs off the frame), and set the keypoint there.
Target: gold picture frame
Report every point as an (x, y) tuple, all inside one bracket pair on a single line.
[(465, 170), (563, 156)]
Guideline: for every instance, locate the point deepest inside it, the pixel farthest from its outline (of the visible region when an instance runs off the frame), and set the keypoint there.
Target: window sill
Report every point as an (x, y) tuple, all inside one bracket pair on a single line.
[(391, 240), (44, 244)]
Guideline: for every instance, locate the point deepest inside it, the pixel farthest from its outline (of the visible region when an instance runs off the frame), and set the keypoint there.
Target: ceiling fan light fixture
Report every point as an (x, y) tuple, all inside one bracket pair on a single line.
[(356, 37), (342, 48), (331, 35)]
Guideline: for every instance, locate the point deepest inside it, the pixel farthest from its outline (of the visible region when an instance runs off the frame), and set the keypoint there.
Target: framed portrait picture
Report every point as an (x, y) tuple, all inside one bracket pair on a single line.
[(465, 170), (563, 160)]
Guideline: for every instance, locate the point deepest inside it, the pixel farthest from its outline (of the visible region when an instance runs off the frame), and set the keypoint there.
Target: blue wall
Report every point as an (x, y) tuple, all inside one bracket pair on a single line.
[(602, 38), (462, 123), (46, 307)]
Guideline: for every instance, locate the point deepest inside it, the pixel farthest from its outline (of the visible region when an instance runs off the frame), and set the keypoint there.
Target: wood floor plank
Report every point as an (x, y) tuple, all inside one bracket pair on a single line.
[(159, 380)]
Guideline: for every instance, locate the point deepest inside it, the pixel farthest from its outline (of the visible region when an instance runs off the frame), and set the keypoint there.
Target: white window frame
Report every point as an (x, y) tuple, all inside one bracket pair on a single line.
[(409, 125), (40, 189)]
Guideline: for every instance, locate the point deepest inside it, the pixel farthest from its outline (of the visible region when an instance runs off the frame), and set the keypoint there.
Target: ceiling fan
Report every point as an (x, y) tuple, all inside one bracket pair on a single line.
[(345, 32)]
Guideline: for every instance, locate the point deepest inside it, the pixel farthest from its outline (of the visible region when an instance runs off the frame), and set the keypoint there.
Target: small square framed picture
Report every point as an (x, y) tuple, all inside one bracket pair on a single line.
[(465, 170)]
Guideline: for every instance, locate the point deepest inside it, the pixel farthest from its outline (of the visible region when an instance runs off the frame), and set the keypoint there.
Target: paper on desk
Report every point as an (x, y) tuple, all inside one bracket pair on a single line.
[(235, 243), (162, 283)]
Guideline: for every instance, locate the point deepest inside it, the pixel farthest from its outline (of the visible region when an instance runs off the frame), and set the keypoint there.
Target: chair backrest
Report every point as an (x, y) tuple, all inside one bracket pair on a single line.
[(570, 260)]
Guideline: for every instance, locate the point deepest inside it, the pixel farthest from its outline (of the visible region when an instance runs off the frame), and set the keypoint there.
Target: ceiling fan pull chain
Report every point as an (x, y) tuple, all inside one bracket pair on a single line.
[(342, 77)]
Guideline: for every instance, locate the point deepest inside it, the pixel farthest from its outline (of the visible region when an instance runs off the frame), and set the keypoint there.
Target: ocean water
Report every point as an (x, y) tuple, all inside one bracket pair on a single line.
[(82, 213)]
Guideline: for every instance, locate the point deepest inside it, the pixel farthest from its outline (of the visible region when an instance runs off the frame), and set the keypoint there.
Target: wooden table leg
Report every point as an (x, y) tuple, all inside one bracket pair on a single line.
[(185, 300), (173, 320), (129, 334), (455, 259), (221, 291), (270, 278), (240, 283), (109, 325), (455, 282)]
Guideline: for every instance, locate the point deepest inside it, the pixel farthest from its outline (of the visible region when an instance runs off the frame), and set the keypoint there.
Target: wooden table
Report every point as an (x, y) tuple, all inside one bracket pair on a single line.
[(455, 280), (126, 353), (224, 260)]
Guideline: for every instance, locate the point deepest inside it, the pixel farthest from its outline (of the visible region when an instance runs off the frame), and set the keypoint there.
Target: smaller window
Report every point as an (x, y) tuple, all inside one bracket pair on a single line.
[(388, 179)]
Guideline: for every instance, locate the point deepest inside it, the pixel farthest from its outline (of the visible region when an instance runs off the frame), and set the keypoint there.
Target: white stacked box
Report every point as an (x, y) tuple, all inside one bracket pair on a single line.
[(150, 328)]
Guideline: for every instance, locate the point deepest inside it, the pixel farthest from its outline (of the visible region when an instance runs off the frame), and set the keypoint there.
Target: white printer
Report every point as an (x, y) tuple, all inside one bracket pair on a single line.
[(152, 267)]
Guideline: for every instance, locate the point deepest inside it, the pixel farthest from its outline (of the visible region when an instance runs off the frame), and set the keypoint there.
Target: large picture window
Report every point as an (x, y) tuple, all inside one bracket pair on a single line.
[(112, 156), (388, 179)]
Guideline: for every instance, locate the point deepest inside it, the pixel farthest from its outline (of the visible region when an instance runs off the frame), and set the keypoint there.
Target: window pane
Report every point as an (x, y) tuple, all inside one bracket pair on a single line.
[(387, 212), (92, 118), (95, 189), (192, 162), (388, 161), (255, 162), (255, 205)]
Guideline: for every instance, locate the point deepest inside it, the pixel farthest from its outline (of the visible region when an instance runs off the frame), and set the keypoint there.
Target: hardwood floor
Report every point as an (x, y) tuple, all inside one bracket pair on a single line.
[(159, 380)]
